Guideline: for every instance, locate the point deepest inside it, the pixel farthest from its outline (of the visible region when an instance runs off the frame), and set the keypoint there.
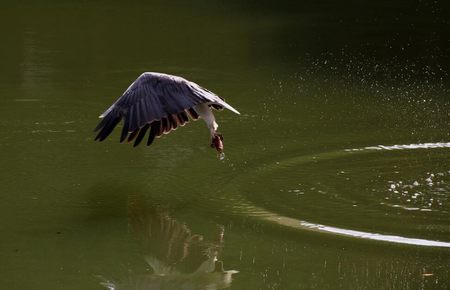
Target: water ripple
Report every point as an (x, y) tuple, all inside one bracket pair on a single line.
[(404, 146), (286, 221), (425, 184)]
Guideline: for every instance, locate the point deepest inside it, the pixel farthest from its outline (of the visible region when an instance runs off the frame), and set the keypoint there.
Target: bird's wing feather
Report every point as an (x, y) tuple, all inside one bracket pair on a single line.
[(155, 97)]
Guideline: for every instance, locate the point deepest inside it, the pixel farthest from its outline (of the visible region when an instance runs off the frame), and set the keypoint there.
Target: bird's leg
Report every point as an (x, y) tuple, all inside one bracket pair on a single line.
[(214, 139), (204, 111), (217, 143)]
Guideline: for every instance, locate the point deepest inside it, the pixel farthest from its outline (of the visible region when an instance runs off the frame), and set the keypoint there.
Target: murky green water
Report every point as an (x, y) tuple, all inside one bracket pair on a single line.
[(337, 173)]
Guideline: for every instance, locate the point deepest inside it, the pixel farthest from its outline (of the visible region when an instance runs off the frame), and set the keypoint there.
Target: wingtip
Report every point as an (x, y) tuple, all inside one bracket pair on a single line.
[(234, 111), (227, 106)]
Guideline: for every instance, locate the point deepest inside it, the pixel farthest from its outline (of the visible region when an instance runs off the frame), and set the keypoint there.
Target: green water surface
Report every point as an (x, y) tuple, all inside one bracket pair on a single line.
[(320, 86)]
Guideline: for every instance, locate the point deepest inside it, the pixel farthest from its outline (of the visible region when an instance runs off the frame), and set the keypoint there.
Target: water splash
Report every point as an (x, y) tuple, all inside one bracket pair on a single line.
[(428, 193)]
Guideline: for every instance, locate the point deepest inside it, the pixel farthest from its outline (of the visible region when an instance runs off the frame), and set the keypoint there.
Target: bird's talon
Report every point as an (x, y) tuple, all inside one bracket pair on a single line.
[(217, 142)]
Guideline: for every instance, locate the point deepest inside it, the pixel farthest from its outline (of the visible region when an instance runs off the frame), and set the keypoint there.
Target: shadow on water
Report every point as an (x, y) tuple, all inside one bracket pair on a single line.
[(107, 200), (177, 257)]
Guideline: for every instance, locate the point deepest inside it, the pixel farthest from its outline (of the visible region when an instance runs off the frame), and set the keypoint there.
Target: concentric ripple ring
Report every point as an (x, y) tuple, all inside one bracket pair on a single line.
[(244, 206)]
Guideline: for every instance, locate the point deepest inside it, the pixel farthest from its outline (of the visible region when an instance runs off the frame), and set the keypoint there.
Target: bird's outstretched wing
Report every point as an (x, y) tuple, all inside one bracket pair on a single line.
[(156, 102)]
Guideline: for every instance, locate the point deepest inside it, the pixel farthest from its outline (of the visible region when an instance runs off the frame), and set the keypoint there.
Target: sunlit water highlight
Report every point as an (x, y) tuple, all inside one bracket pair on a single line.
[(404, 147)]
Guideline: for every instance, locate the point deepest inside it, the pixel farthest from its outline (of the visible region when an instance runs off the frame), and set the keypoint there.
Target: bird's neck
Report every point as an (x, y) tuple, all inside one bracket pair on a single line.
[(204, 111)]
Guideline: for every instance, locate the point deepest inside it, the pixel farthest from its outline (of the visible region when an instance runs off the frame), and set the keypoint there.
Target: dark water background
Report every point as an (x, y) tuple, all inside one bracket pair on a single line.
[(320, 85)]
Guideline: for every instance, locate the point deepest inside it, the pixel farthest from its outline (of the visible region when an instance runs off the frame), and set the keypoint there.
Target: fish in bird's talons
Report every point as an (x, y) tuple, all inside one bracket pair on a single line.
[(217, 142)]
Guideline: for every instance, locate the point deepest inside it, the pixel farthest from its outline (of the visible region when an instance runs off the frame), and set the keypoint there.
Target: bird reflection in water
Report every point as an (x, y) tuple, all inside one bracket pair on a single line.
[(179, 259)]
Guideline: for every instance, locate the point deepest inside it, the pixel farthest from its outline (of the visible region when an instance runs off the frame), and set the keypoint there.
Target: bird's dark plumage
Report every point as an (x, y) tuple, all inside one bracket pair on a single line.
[(156, 102)]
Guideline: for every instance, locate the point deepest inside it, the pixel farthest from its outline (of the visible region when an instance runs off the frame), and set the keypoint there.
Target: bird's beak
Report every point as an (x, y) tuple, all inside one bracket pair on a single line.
[(217, 142)]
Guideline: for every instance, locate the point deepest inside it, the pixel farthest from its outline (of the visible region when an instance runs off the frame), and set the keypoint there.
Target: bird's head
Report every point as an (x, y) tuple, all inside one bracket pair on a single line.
[(217, 142)]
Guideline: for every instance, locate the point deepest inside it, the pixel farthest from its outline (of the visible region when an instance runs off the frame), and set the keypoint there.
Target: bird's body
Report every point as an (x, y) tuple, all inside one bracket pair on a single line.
[(160, 103)]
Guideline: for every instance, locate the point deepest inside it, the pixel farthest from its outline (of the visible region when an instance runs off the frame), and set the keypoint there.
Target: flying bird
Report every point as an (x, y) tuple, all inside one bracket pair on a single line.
[(160, 103)]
